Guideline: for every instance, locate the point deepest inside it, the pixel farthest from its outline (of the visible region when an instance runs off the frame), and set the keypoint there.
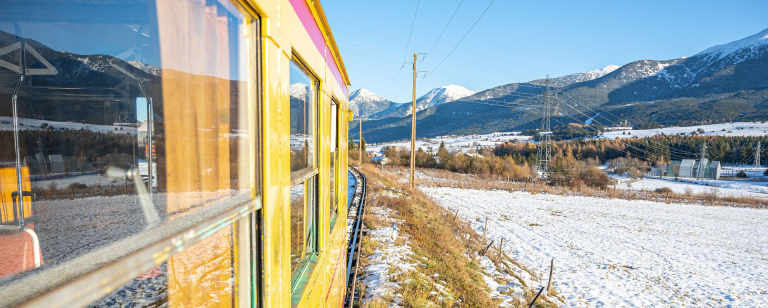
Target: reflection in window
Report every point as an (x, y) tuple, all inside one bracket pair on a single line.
[(302, 118), (334, 202), (303, 209), (201, 276), (126, 122)]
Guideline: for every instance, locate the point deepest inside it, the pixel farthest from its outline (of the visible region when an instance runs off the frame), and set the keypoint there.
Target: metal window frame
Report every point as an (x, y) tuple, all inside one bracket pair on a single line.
[(98, 283), (334, 158), (168, 240), (309, 175)]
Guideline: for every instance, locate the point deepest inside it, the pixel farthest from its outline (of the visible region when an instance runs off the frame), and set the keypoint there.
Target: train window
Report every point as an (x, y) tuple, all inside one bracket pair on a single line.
[(304, 203), (303, 97), (333, 199), (118, 131), (199, 276), (303, 226)]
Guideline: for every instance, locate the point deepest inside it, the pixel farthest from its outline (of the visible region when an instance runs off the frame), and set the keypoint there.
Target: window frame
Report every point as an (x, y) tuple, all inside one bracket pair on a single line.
[(309, 177), (305, 174), (334, 161), (100, 273)]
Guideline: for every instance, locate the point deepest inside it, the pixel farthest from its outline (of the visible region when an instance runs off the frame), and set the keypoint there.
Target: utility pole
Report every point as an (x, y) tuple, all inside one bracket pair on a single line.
[(412, 179), (360, 142), (757, 155)]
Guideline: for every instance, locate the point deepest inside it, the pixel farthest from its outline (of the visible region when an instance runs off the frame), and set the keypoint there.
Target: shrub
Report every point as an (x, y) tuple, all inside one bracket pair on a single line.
[(664, 190), (766, 172), (741, 174), (77, 186), (593, 177)]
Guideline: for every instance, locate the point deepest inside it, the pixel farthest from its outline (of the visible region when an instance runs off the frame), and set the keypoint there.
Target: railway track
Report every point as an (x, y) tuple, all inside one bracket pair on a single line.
[(356, 212)]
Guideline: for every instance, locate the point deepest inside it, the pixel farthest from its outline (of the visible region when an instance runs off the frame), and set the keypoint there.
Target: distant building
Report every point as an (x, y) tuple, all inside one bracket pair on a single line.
[(714, 170), (687, 168), (380, 160), (57, 163)]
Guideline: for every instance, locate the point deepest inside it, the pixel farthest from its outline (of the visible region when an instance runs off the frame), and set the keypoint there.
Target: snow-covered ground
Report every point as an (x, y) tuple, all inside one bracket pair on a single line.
[(87, 179), (620, 253), (471, 142), (6, 123), (454, 143), (725, 129), (387, 260), (722, 187)]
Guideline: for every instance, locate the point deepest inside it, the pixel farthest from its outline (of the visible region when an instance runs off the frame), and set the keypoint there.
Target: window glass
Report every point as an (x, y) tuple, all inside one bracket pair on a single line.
[(126, 124), (303, 239), (333, 157), (200, 276), (302, 94)]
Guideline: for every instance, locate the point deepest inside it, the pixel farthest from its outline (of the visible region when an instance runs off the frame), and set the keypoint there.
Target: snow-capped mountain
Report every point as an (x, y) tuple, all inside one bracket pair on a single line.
[(366, 103), (727, 82), (736, 66), (434, 97), (750, 42), (149, 69), (298, 90), (442, 95), (568, 80)]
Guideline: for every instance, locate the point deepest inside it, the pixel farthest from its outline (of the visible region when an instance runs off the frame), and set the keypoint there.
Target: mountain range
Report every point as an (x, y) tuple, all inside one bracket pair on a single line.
[(723, 83), (369, 105)]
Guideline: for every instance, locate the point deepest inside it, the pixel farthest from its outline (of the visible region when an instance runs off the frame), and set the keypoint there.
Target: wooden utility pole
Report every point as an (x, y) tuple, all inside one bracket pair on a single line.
[(413, 126), (360, 142)]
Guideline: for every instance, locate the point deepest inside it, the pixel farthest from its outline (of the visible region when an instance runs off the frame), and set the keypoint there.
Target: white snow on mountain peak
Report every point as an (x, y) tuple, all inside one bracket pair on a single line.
[(150, 69), (363, 94), (442, 95), (298, 90), (567, 80), (366, 103), (761, 38), (603, 71)]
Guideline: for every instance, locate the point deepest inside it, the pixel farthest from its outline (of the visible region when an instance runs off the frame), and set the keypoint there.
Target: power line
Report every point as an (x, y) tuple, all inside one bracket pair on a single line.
[(454, 47), (441, 33), (413, 24), (462, 38), (406, 48)]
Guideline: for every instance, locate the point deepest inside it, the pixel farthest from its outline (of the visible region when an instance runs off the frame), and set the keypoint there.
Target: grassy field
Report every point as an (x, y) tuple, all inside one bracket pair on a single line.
[(433, 258)]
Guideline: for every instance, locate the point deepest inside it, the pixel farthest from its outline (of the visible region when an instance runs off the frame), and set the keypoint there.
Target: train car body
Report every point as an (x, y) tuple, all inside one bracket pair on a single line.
[(244, 105)]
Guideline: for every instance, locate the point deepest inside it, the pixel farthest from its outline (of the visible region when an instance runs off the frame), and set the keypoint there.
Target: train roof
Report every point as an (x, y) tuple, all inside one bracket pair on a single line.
[(319, 15)]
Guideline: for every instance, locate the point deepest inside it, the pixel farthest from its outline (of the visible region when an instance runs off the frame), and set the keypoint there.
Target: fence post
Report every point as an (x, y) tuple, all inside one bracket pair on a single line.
[(551, 269), (500, 248), (485, 228)]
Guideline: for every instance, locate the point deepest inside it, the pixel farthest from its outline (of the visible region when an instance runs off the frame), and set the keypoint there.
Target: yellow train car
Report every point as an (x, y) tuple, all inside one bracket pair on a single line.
[(244, 105)]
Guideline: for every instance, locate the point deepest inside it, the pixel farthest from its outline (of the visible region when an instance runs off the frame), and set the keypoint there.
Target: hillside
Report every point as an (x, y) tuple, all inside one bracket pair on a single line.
[(568, 80), (434, 97), (724, 83), (366, 103)]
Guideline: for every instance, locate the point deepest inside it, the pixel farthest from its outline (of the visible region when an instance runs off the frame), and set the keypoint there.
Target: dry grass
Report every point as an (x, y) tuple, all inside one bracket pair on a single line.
[(440, 245), (442, 178)]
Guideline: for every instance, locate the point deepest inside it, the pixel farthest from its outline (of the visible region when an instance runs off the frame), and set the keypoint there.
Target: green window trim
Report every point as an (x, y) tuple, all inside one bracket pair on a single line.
[(300, 278)]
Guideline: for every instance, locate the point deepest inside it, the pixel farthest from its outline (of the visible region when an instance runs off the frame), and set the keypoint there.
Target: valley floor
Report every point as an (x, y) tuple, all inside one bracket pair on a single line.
[(697, 186), (620, 253)]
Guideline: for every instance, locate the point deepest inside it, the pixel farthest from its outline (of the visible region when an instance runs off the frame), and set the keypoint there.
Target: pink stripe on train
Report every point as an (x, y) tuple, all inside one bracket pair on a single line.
[(310, 25)]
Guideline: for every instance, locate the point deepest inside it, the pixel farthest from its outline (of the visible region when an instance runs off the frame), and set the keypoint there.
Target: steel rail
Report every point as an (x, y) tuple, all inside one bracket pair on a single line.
[(353, 250)]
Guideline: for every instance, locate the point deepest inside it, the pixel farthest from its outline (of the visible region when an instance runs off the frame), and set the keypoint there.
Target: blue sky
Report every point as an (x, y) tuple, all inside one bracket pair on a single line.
[(518, 41)]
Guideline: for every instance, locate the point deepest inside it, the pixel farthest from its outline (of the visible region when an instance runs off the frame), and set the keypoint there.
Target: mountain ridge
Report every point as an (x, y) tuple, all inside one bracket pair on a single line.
[(722, 83)]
